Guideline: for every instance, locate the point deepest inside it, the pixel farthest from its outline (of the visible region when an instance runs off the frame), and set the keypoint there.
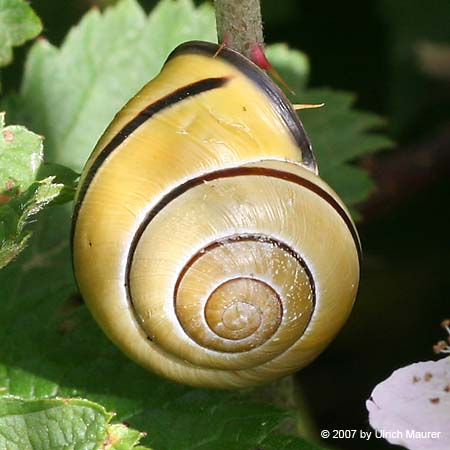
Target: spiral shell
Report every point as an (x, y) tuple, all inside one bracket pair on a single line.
[(204, 242)]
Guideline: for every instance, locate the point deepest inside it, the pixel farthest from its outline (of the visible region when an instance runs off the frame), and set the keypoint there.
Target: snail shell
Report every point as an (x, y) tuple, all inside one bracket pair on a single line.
[(204, 242)]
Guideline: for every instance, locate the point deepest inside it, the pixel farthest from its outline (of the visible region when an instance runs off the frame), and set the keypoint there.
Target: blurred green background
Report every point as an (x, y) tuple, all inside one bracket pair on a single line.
[(395, 55)]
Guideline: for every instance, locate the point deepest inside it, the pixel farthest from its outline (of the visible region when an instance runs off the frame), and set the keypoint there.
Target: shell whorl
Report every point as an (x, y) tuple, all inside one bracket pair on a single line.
[(204, 243), (232, 297)]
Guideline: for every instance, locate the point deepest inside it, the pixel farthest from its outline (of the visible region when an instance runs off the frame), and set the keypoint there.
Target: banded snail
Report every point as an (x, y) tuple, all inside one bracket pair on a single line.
[(204, 242)]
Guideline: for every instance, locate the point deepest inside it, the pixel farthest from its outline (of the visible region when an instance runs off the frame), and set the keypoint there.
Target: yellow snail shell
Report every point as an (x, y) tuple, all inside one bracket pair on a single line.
[(204, 242)]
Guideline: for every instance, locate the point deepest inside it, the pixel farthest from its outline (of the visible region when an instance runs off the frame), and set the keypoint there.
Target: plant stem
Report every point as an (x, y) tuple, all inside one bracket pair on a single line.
[(239, 24), (287, 394)]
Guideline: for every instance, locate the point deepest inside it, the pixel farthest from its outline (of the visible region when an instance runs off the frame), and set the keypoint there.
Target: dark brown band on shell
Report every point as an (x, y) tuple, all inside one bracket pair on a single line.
[(246, 238), (229, 173), (149, 111), (237, 172), (275, 95)]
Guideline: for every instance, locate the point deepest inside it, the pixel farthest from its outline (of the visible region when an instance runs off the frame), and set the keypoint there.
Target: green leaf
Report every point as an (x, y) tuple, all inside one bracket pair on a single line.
[(121, 437), (107, 58), (49, 344), (21, 195), (26, 186), (17, 212), (61, 175), (280, 442), (56, 424), (339, 134), (71, 94), (21, 154), (291, 63), (18, 23)]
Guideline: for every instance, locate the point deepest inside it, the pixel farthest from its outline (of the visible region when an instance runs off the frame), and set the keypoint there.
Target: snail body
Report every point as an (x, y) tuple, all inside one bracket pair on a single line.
[(204, 242)]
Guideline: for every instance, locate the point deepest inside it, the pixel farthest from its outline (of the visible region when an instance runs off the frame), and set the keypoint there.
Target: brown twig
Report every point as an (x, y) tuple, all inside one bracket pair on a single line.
[(239, 24)]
